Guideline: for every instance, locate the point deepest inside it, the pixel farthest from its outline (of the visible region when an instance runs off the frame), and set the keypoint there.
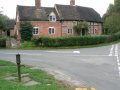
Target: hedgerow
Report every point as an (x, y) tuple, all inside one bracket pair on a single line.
[(76, 40)]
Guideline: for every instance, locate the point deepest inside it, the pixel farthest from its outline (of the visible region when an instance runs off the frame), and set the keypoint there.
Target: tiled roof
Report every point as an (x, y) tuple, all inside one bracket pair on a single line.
[(30, 13), (68, 12), (63, 12), (9, 24)]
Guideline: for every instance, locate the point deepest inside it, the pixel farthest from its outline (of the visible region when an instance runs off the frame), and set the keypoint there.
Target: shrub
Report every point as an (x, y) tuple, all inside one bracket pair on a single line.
[(71, 41), (26, 31), (27, 44), (49, 42), (2, 42)]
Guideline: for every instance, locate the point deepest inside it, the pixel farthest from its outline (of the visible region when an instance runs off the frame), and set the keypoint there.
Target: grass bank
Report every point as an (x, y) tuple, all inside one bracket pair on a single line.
[(45, 81)]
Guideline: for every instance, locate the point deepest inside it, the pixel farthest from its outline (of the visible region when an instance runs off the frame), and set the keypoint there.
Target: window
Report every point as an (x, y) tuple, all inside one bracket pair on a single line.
[(69, 30), (75, 23), (51, 30), (35, 30), (52, 16)]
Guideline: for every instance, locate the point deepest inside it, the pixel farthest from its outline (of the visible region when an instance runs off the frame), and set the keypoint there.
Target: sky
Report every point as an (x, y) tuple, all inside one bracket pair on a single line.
[(9, 6)]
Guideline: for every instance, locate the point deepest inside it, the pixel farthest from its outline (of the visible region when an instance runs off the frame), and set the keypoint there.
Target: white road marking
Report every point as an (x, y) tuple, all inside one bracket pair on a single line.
[(116, 50), (76, 51), (111, 50), (89, 55), (117, 56), (63, 52)]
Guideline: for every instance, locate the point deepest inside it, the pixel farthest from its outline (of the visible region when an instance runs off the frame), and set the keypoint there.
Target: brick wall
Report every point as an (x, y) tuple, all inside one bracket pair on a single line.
[(44, 26)]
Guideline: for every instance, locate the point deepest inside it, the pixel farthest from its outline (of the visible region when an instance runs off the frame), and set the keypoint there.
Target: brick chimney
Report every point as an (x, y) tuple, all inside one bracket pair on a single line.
[(37, 4), (72, 2)]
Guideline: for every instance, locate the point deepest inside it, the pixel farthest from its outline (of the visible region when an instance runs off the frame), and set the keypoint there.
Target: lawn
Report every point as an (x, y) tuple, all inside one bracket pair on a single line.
[(45, 81)]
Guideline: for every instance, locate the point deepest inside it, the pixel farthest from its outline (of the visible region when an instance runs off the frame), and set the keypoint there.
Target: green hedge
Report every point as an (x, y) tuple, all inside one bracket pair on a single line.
[(76, 40), (2, 42), (70, 41)]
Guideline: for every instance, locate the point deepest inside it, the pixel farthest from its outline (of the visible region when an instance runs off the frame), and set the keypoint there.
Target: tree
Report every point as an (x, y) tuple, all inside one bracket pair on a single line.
[(81, 28), (117, 5), (26, 31), (112, 24), (3, 18), (112, 18)]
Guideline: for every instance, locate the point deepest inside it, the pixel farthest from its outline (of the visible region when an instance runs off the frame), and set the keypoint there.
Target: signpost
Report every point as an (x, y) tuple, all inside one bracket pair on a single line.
[(18, 61)]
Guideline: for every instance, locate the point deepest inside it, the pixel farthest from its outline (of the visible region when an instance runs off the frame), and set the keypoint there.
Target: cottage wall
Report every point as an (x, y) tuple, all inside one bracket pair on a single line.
[(65, 26), (95, 28), (12, 32), (44, 28)]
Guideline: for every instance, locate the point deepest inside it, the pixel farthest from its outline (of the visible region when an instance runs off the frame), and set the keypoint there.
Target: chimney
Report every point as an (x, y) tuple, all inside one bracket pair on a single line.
[(37, 4), (72, 2)]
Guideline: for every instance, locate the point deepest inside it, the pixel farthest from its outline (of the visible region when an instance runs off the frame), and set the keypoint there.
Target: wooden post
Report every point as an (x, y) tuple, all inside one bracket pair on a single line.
[(18, 61)]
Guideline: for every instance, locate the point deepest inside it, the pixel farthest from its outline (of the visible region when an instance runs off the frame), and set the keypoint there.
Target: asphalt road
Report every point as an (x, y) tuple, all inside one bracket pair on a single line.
[(97, 67)]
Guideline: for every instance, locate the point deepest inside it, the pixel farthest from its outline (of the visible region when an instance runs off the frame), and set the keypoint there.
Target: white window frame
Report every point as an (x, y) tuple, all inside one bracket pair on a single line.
[(75, 23), (70, 30), (52, 17), (51, 30), (35, 30)]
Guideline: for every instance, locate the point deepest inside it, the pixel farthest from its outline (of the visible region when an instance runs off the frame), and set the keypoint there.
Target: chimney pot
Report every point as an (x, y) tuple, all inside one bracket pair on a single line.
[(37, 4), (72, 2)]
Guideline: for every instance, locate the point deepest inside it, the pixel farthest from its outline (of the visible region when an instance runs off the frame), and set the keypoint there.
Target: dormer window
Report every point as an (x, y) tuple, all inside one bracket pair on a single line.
[(52, 17)]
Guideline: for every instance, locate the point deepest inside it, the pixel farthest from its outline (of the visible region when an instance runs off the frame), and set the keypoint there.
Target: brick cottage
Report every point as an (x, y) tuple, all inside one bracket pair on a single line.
[(59, 20)]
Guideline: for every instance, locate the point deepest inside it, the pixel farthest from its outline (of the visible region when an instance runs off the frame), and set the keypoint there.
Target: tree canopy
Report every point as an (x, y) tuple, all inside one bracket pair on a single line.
[(112, 18), (3, 18)]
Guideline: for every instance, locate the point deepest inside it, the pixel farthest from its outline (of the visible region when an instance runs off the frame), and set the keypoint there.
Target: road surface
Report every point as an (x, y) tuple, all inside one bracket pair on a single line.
[(97, 67)]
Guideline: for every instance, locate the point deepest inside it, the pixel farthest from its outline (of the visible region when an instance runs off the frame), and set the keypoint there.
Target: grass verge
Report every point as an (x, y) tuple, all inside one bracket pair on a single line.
[(45, 81)]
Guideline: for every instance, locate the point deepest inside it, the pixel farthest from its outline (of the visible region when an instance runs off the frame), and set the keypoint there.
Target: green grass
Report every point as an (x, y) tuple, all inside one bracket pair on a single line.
[(9, 69)]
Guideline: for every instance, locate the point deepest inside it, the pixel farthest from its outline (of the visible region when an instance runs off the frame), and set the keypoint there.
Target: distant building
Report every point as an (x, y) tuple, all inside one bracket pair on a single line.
[(59, 20), (9, 28)]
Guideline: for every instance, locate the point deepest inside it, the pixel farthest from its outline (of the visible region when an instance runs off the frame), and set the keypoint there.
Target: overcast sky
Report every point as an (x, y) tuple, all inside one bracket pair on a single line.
[(9, 6)]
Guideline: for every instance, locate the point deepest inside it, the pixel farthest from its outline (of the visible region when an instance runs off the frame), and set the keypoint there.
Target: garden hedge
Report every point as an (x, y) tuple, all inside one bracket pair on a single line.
[(76, 40), (2, 42)]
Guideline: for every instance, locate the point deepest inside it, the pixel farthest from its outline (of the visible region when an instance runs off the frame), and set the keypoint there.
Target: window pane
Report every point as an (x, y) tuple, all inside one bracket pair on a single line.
[(49, 30), (52, 30), (35, 30), (50, 18), (69, 30)]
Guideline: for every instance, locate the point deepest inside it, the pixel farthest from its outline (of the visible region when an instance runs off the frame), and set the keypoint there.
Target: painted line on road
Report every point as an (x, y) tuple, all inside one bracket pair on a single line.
[(89, 55), (117, 56), (111, 50), (64, 52), (76, 51)]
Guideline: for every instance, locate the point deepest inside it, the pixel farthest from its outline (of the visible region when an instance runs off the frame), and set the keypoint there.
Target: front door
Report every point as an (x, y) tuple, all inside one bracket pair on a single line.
[(83, 32)]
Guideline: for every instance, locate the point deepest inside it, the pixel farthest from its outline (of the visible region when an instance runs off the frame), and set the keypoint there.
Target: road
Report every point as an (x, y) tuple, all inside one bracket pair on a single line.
[(97, 67)]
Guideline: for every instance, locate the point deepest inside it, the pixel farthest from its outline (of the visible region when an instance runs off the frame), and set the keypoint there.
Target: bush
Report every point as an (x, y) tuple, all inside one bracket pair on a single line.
[(27, 44), (2, 42), (76, 40), (70, 41), (26, 31)]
